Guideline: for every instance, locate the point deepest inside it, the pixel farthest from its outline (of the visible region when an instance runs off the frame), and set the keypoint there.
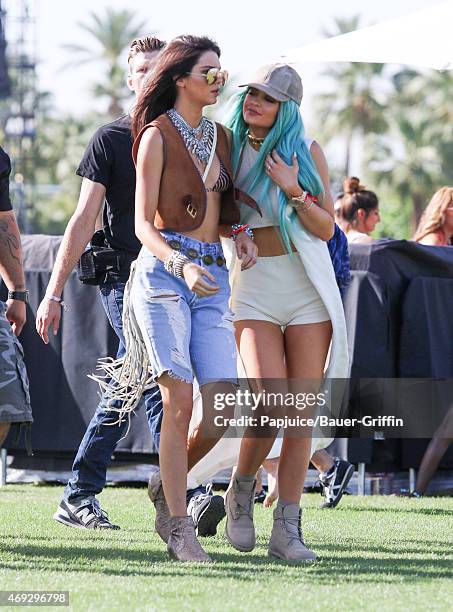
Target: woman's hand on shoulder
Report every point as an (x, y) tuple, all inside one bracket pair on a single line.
[(246, 250), (283, 175)]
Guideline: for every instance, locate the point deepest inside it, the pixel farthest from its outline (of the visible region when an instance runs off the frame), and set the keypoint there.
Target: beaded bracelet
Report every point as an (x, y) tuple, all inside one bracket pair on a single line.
[(237, 228), (175, 263), (54, 298)]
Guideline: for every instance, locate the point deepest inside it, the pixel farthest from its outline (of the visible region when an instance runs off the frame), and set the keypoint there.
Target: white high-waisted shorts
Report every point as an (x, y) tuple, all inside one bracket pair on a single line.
[(277, 289)]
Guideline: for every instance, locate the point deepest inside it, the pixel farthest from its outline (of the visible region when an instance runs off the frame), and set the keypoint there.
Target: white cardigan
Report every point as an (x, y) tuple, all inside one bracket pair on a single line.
[(317, 262)]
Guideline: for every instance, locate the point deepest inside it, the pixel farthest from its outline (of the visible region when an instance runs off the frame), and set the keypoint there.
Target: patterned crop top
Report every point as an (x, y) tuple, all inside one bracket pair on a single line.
[(223, 183)]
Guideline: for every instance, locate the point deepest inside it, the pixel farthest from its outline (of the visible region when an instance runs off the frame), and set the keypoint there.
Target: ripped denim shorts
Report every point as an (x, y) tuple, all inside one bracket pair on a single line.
[(185, 335)]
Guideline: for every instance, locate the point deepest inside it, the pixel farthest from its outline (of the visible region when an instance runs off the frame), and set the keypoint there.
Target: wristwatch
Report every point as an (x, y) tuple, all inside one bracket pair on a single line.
[(18, 295)]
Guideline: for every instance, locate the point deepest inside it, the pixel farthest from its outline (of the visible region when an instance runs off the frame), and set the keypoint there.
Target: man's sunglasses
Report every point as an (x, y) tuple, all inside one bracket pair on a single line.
[(212, 76)]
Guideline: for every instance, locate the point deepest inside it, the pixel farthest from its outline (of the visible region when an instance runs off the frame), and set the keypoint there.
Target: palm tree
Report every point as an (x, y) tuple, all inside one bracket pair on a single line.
[(352, 106), (432, 88), (430, 93), (408, 161), (112, 34)]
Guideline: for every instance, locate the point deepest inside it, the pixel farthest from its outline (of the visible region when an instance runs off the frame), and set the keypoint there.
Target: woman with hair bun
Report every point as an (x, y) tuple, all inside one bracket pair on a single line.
[(436, 225), (358, 210)]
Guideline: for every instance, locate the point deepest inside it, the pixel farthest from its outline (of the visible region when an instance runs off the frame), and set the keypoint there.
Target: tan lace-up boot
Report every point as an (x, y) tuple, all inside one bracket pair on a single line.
[(239, 504), (183, 544), (156, 495), (287, 541)]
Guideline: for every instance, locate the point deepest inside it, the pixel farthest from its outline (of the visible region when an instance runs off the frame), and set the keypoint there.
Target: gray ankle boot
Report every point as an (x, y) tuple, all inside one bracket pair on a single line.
[(156, 495), (287, 541), (239, 503), (183, 544)]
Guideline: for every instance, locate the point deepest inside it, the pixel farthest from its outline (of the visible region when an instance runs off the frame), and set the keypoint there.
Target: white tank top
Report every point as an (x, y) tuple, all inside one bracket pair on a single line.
[(248, 214), (353, 235)]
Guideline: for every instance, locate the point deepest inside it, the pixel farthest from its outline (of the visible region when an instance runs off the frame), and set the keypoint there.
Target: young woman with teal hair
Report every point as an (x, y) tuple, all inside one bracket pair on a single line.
[(288, 310)]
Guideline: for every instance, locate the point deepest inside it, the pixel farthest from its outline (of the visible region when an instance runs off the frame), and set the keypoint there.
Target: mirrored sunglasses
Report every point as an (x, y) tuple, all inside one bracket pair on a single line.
[(213, 75)]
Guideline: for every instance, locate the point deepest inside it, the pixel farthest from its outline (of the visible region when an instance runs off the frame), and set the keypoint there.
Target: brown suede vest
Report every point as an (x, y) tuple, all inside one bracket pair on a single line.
[(182, 194)]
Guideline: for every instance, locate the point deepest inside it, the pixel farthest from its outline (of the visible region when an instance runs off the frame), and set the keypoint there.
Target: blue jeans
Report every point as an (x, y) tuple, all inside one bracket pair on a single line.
[(90, 464), (184, 333)]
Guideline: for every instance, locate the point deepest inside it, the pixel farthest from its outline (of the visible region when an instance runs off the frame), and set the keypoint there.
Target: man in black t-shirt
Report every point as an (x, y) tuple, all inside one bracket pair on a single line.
[(108, 161), (108, 181), (108, 174), (14, 396)]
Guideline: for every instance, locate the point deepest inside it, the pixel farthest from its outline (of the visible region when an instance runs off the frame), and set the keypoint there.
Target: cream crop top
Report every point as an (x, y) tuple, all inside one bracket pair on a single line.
[(248, 214)]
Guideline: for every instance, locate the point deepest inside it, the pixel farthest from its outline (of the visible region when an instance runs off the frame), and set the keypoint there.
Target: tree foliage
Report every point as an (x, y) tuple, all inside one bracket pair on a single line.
[(404, 119), (111, 33)]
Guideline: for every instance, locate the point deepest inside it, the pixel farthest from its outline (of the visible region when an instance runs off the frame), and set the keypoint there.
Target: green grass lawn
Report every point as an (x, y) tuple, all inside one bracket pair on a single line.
[(375, 553)]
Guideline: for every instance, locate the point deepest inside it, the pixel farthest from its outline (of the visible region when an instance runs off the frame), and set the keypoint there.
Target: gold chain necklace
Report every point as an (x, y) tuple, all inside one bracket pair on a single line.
[(254, 141)]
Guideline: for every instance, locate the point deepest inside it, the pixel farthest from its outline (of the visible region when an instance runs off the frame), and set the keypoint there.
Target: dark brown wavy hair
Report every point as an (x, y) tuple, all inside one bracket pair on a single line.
[(159, 93), (354, 197)]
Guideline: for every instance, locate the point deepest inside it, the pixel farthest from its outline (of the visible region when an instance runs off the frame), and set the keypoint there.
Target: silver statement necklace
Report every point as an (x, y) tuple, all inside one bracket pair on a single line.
[(197, 140)]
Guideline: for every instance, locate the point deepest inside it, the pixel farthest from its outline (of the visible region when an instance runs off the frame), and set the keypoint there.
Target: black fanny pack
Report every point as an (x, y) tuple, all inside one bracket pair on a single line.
[(99, 261)]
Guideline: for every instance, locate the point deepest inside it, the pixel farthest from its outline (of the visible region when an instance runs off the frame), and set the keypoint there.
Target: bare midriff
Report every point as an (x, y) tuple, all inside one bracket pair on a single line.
[(269, 242), (209, 229)]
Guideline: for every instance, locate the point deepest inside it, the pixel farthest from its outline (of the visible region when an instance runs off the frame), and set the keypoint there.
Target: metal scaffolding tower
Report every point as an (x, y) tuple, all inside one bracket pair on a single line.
[(5, 89), (17, 114)]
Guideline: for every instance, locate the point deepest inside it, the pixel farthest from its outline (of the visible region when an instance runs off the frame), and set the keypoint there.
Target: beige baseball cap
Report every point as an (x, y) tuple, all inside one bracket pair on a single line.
[(280, 81)]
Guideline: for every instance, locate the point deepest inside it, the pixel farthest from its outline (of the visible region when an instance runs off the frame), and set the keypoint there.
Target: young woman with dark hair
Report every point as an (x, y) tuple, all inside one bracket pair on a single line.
[(358, 211), (180, 289)]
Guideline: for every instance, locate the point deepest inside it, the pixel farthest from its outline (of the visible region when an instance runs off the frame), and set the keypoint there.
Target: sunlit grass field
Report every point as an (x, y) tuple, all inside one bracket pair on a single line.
[(375, 553)]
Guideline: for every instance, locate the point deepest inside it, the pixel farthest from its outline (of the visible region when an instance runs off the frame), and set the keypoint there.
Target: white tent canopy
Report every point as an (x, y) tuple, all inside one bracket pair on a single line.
[(424, 39)]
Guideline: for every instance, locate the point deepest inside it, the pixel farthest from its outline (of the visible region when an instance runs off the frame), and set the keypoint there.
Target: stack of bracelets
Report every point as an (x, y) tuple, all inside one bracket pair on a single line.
[(237, 228), (304, 202), (175, 262)]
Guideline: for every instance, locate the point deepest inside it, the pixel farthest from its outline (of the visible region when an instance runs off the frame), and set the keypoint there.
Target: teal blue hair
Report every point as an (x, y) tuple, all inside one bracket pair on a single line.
[(287, 137)]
